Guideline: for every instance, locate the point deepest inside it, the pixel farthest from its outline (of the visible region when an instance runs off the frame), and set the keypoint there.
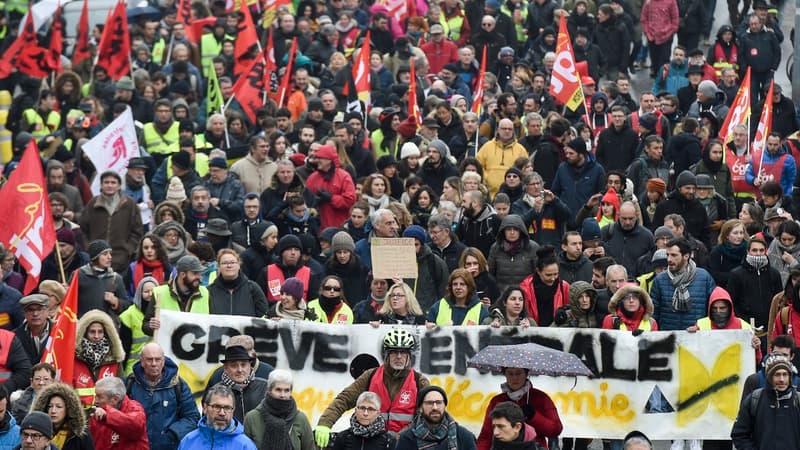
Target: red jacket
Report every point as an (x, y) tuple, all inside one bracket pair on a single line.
[(545, 420), (343, 191), (659, 20), (440, 54), (560, 299), (122, 429)]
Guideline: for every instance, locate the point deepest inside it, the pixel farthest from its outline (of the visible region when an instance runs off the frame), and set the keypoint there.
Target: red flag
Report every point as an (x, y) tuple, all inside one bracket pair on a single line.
[(246, 38), (82, 46), (60, 347), (413, 107), (739, 111), (56, 42), (398, 10), (764, 125), (25, 54), (249, 87), (270, 69), (565, 84), (361, 71), (115, 44), (284, 89), (271, 8), (184, 16), (198, 25), (29, 232), (477, 100)]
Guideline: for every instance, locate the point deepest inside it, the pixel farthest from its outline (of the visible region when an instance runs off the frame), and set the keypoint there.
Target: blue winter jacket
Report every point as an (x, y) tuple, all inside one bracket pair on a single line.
[(169, 419), (206, 437), (9, 434), (574, 187), (661, 294), (675, 79), (11, 315)]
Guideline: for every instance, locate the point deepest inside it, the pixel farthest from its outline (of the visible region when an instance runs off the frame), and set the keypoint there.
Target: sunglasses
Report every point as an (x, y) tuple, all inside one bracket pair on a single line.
[(332, 288)]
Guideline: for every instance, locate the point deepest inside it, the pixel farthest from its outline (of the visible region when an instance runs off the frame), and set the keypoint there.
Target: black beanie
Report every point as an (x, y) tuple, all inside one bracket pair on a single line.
[(424, 391)]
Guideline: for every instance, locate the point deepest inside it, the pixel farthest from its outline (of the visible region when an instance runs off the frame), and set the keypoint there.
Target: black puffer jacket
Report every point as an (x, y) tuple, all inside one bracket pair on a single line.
[(245, 299), (346, 440), (507, 269)]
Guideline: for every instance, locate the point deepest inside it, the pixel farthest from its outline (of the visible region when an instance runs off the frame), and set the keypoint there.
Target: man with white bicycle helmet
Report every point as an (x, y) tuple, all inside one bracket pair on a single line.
[(395, 382)]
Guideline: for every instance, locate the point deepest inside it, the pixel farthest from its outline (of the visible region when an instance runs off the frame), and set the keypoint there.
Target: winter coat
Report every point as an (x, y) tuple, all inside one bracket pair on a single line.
[(627, 246), (353, 275), (775, 255), (122, 230), (545, 419), (245, 299), (11, 315), (548, 225), (92, 286), (614, 40), (724, 258), (659, 20), (346, 440), (787, 174), (752, 290), (760, 51), (721, 180), (734, 322), (122, 429), (169, 419), (692, 212), (205, 436), (435, 176), (617, 320), (451, 255), (275, 193), (112, 362), (699, 291), (246, 400), (784, 120), (343, 194), (510, 270), (683, 151), (29, 345), (616, 148), (571, 271), (574, 186), (466, 440), (230, 194), (547, 159), (432, 276), (481, 231), (76, 425), (9, 431), (771, 427), (496, 158), (300, 433), (716, 105), (643, 168)]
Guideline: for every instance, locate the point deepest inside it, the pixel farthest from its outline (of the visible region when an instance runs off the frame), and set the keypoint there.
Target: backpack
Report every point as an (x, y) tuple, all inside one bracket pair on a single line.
[(755, 397)]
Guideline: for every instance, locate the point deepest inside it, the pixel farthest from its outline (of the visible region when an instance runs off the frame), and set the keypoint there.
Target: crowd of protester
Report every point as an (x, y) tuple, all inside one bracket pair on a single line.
[(626, 213)]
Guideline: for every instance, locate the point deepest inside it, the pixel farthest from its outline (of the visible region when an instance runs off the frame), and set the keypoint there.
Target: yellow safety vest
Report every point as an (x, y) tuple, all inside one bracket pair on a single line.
[(20, 6), (166, 301), (200, 143), (158, 51), (644, 325), (209, 49), (133, 318), (446, 314), (40, 127), (452, 26), (519, 27), (163, 144), (200, 165), (704, 324), (343, 317)]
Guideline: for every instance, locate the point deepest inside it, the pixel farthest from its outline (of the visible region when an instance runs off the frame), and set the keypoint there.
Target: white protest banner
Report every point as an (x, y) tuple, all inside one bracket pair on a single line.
[(113, 147), (699, 374)]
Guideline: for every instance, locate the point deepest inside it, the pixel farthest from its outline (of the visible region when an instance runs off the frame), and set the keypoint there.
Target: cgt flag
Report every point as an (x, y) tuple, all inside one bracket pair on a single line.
[(565, 84), (114, 51), (29, 233), (184, 16), (739, 113), (413, 106), (113, 147), (61, 343), (477, 100)]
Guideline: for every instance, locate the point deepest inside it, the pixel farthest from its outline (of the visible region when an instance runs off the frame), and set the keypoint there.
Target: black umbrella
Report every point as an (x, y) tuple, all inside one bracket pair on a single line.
[(148, 12), (538, 359)]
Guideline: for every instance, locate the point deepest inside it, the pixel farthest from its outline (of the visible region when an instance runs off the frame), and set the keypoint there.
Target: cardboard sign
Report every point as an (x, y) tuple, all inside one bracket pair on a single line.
[(393, 258)]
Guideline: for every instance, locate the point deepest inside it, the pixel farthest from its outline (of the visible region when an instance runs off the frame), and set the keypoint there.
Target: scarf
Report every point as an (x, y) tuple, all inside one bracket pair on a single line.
[(278, 416), (377, 427), (428, 438), (144, 268), (230, 285), (512, 248), (174, 252), (680, 282), (227, 381), (93, 353), (133, 184), (292, 314), (377, 203), (519, 393), (758, 262), (734, 252), (60, 438), (329, 304)]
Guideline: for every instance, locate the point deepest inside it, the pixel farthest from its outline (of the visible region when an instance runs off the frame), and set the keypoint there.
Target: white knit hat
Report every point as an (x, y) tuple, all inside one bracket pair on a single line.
[(409, 149)]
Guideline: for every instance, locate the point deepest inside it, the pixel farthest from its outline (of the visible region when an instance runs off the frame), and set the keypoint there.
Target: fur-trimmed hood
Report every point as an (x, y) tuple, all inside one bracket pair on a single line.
[(117, 353), (176, 211), (75, 420), (630, 289)]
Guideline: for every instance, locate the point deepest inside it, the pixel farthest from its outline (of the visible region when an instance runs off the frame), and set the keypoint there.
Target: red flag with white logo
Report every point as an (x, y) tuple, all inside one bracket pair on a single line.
[(60, 348), (361, 71), (28, 233), (413, 107), (565, 84), (477, 99), (739, 111)]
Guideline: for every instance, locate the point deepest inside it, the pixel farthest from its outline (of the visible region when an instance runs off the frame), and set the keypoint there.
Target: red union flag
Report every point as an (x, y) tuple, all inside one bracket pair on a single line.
[(413, 107), (184, 16), (739, 111), (29, 233), (361, 71), (764, 123), (565, 85), (113, 147), (61, 344), (477, 100)]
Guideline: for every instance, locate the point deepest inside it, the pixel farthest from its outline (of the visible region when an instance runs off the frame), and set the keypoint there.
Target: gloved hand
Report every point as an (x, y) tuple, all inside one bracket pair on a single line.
[(322, 435), (323, 196), (528, 411), (561, 316)]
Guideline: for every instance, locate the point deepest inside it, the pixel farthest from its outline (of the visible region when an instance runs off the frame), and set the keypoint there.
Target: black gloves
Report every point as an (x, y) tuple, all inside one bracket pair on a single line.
[(323, 196)]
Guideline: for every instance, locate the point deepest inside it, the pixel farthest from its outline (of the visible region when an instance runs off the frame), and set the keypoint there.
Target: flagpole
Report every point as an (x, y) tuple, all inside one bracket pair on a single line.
[(169, 50), (227, 136), (60, 264)]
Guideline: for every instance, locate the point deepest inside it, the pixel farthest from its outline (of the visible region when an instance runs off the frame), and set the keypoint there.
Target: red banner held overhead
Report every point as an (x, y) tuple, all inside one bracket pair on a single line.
[(283, 91), (565, 84), (25, 54), (249, 87), (246, 39), (115, 44), (413, 106), (739, 111), (477, 100), (56, 43), (184, 16), (29, 233), (361, 71), (60, 348), (82, 45)]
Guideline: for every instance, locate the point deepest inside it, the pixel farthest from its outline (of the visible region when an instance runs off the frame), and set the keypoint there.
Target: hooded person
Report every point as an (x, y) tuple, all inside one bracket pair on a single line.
[(98, 354), (580, 313), (175, 239), (332, 187), (721, 316), (130, 330), (513, 256), (71, 431), (625, 313), (260, 253)]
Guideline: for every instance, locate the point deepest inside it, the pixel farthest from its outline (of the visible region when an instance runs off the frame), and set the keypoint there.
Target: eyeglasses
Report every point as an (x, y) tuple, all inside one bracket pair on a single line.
[(229, 263), (224, 408), (331, 288), (631, 297), (34, 436), (397, 295), (367, 409), (42, 379), (436, 403)]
